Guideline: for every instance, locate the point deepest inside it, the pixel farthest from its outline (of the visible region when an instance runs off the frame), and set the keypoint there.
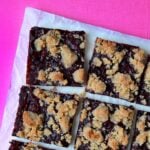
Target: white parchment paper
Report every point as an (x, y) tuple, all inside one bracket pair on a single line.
[(34, 17)]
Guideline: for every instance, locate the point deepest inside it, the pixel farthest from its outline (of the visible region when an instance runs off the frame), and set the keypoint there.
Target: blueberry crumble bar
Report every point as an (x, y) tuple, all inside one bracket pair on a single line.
[(45, 116), (141, 140), (16, 145), (103, 126), (56, 57), (144, 96), (116, 69)]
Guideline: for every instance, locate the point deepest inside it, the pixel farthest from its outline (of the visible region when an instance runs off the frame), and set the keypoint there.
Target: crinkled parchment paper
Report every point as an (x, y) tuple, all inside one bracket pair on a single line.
[(34, 17)]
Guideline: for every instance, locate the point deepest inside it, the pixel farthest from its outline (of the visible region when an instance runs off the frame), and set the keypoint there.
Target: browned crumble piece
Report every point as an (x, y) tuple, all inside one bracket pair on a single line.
[(103, 126), (141, 139), (116, 69), (56, 57), (45, 116)]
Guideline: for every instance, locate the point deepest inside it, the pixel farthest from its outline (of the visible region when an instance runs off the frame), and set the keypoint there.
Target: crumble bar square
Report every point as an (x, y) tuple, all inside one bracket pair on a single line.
[(103, 126), (56, 57), (45, 116), (116, 69)]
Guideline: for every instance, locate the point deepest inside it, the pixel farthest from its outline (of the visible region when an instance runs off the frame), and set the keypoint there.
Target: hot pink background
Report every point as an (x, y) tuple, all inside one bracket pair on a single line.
[(127, 16)]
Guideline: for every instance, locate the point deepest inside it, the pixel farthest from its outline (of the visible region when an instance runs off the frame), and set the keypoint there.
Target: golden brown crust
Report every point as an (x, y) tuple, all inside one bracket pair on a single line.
[(31, 124), (117, 137), (113, 144), (95, 84), (65, 112), (97, 62), (101, 113), (39, 44), (57, 76), (105, 47), (41, 75), (124, 115), (92, 135), (141, 138), (47, 132), (31, 119), (79, 75), (124, 85), (116, 59), (49, 40), (68, 56), (141, 123)]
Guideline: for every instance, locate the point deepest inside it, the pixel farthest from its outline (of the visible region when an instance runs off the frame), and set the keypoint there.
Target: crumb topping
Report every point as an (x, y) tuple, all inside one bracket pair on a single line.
[(39, 44), (97, 62), (117, 137), (79, 75), (50, 40), (92, 135), (32, 123), (138, 61), (141, 123), (141, 138), (57, 76), (95, 84), (113, 144), (124, 115), (53, 50), (68, 56), (105, 47), (124, 85), (101, 113), (41, 75), (64, 123), (116, 59), (31, 119), (47, 132), (47, 97), (65, 112)]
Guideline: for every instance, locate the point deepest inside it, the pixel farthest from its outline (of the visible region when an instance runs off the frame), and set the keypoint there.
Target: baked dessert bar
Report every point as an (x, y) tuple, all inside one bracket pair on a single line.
[(144, 96), (16, 145), (56, 57), (141, 140), (103, 126), (45, 116), (116, 69)]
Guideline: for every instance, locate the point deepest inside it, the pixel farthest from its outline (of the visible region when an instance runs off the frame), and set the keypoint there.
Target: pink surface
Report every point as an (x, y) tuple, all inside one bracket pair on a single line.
[(129, 16)]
